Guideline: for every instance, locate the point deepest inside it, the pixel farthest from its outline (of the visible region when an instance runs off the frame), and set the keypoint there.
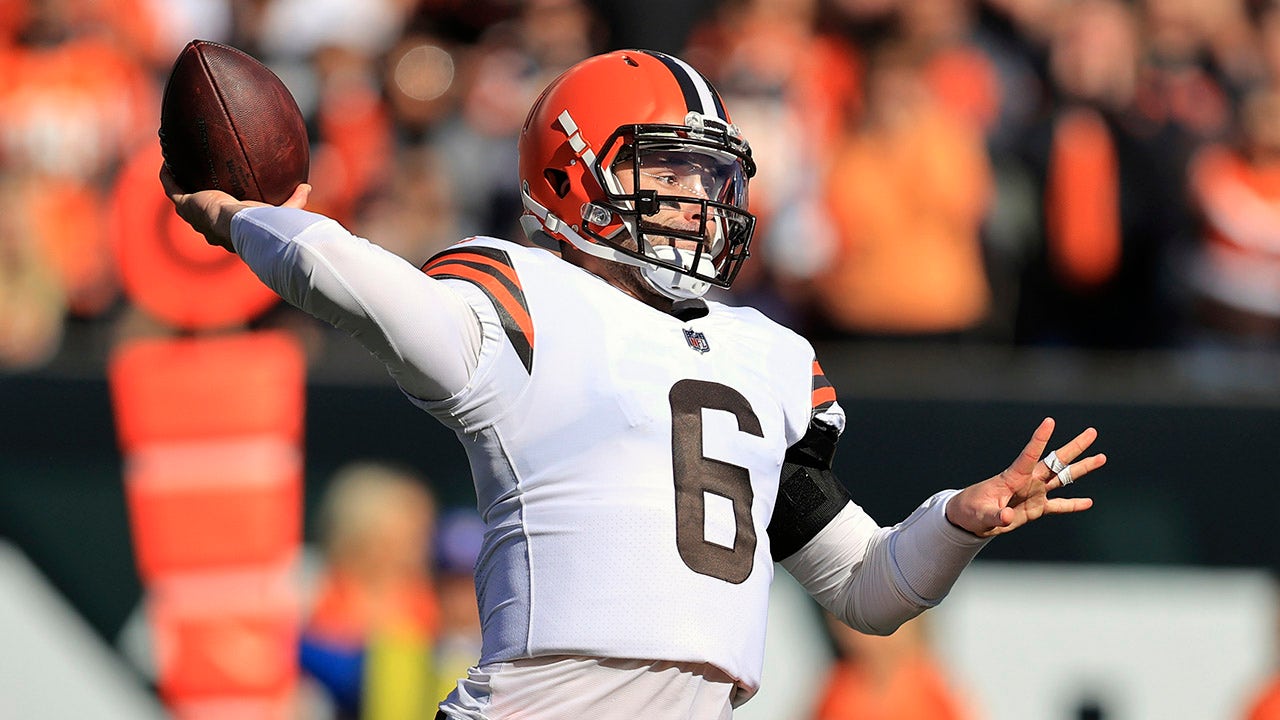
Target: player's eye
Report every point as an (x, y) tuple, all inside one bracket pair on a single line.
[(665, 178)]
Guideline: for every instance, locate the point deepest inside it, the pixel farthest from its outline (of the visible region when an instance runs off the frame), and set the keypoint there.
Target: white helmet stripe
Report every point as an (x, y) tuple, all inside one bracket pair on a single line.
[(705, 93), (576, 141)]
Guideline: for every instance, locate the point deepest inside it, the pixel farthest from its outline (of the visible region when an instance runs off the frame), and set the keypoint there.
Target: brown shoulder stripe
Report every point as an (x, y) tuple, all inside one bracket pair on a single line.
[(490, 270), (824, 394)]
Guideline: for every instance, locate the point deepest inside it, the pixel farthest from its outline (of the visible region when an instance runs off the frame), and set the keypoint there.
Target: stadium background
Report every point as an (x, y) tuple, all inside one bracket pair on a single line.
[(1185, 394)]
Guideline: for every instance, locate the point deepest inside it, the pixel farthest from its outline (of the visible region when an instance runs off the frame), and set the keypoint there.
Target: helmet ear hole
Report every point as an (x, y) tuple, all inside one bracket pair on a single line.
[(558, 180)]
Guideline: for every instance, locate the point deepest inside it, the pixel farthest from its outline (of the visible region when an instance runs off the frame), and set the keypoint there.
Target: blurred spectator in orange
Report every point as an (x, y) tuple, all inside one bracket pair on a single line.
[(895, 677), (367, 640), (1234, 271), (135, 27), (352, 147), (328, 54), (74, 101), (908, 190), (958, 71), (457, 547), (32, 298), (1177, 85), (989, 79), (1113, 185), (1235, 275), (791, 89)]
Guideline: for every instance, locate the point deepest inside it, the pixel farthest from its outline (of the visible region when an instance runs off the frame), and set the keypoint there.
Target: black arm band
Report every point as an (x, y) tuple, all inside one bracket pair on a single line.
[(809, 495)]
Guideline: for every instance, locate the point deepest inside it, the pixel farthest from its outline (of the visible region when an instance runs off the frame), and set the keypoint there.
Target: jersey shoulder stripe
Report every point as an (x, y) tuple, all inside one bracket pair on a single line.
[(491, 270), (824, 393)]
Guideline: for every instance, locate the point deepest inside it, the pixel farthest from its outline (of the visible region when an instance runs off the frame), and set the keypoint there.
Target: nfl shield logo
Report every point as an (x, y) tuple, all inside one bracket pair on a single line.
[(697, 340)]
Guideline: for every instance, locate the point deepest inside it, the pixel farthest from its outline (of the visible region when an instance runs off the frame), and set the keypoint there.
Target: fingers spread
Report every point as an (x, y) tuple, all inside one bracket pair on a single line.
[(1067, 453), (1078, 470), (1063, 506), (1025, 464), (1078, 445)]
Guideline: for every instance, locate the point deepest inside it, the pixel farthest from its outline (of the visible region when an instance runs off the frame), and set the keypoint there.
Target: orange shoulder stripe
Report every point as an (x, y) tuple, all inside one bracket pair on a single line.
[(490, 270), (824, 394), (475, 257), (495, 289)]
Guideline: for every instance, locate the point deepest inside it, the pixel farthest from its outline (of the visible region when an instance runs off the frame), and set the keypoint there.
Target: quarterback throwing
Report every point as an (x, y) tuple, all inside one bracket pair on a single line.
[(641, 455)]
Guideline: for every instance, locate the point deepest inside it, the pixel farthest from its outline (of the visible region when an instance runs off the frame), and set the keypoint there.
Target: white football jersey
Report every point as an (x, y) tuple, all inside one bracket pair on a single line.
[(626, 463)]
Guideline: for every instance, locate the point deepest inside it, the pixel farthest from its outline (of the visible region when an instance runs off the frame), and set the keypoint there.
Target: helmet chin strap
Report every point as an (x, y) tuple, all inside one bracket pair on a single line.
[(677, 285)]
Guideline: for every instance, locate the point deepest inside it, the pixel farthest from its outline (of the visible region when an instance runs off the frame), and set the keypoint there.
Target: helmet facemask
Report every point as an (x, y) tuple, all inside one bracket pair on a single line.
[(675, 200)]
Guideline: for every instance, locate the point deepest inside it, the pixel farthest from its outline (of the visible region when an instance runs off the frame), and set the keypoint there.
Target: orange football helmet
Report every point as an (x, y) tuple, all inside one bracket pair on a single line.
[(630, 156)]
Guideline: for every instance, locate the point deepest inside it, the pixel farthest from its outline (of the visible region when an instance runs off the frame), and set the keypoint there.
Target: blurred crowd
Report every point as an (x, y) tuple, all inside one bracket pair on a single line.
[(391, 622), (1087, 173)]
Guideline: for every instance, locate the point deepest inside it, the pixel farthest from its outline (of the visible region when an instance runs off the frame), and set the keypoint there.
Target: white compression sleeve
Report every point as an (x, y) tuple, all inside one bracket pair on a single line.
[(873, 578), (428, 337)]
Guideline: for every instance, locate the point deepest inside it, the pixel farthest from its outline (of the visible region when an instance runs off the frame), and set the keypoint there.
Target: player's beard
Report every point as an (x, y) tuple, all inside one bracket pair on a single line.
[(631, 278)]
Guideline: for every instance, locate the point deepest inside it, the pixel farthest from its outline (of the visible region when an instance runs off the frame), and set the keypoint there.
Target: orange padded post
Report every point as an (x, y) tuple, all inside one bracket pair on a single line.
[(211, 429), (200, 389), (225, 636), (214, 505)]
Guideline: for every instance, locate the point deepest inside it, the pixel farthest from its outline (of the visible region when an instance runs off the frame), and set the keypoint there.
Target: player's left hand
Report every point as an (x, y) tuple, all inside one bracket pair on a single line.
[(1020, 494)]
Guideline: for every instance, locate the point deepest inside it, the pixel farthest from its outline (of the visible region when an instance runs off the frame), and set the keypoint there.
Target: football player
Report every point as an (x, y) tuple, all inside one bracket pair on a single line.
[(641, 455)]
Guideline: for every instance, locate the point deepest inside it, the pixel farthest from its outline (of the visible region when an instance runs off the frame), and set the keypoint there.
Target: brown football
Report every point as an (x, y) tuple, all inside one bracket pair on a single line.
[(228, 123)]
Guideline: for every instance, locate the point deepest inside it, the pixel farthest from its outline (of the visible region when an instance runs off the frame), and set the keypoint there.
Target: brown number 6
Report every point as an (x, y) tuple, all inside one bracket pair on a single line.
[(696, 474)]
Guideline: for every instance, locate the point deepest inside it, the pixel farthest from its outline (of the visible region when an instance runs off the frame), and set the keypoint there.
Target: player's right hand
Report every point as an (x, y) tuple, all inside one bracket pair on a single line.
[(1020, 494), (209, 212)]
